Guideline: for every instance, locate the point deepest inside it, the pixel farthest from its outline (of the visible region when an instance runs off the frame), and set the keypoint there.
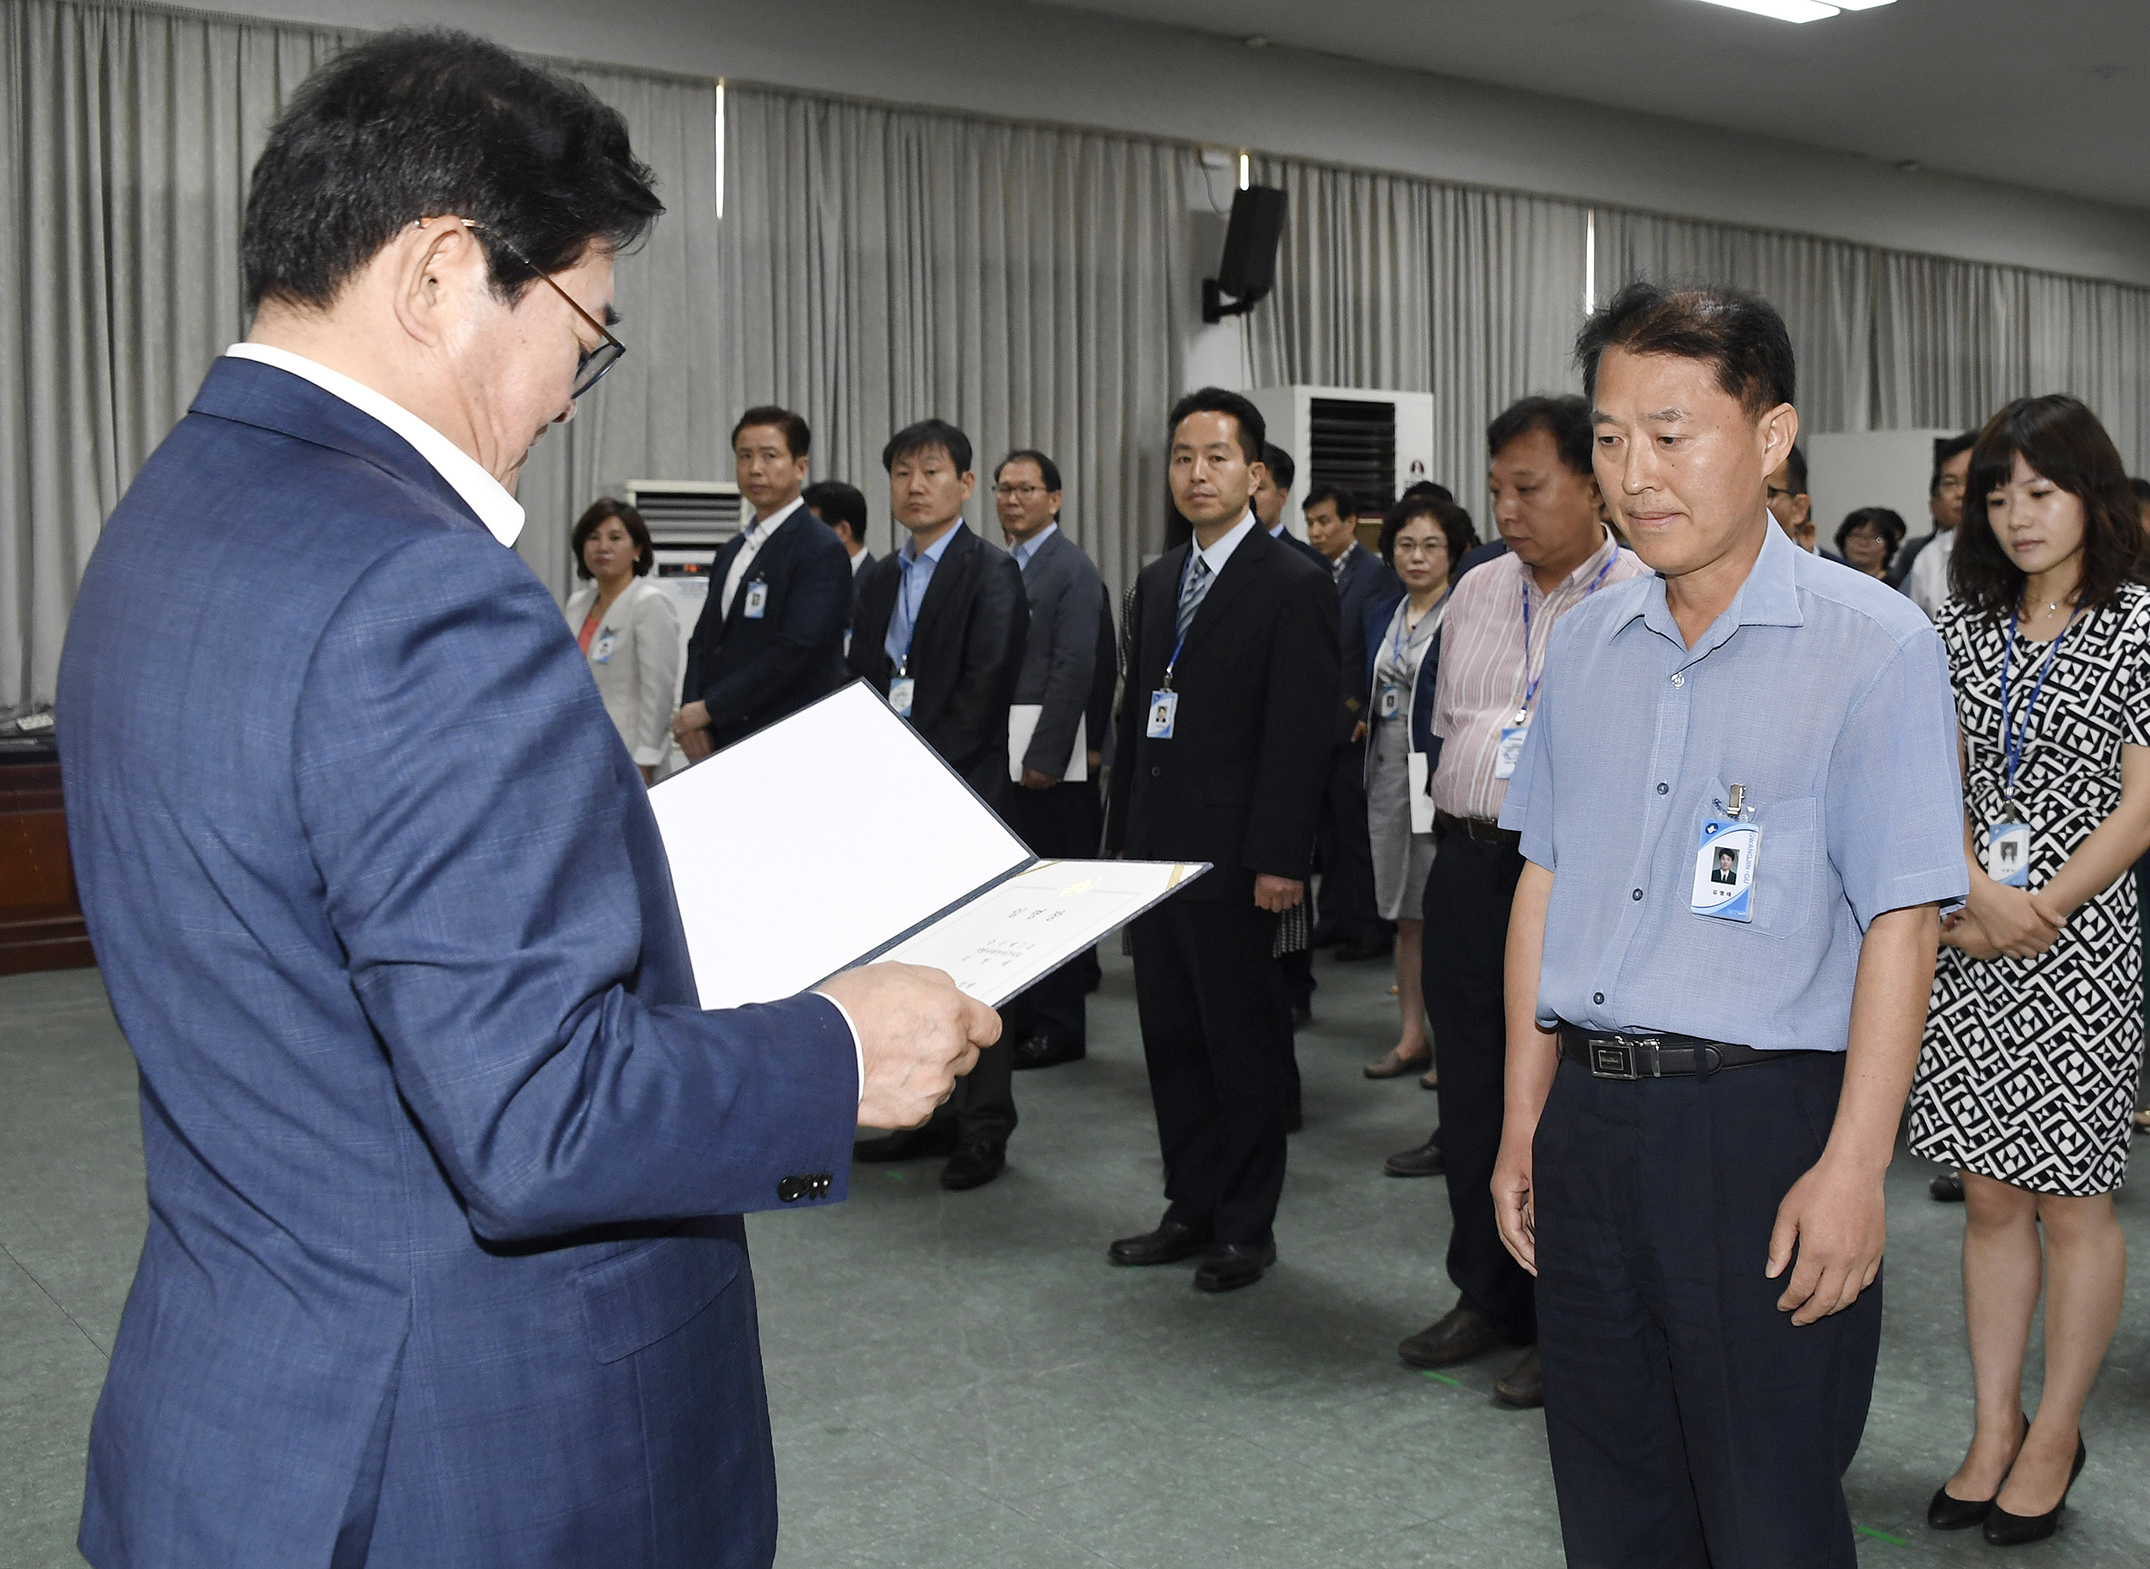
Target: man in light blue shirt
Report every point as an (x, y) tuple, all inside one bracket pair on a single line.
[(1740, 809)]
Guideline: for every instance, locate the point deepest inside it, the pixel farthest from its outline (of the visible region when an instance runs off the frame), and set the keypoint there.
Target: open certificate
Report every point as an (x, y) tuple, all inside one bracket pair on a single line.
[(837, 837)]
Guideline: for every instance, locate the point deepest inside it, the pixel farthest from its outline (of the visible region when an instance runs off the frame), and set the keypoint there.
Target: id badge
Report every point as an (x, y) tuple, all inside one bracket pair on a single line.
[(900, 691), (1390, 703), (2008, 854), (1164, 708), (757, 604), (1725, 859), (601, 647), (1510, 750)]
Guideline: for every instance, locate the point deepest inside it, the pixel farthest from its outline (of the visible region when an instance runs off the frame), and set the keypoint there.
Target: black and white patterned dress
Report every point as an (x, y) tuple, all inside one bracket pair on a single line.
[(2028, 1072)]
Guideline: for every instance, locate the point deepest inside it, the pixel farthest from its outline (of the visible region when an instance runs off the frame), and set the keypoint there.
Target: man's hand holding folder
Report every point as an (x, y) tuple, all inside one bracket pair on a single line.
[(917, 1035)]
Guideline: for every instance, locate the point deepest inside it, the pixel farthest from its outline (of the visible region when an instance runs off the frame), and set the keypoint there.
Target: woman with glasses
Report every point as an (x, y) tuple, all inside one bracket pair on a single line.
[(1423, 539), (2027, 1079), (626, 628), (1868, 538)]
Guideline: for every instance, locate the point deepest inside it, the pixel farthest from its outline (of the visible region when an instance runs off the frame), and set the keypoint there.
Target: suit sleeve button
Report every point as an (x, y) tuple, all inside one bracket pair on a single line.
[(790, 1190)]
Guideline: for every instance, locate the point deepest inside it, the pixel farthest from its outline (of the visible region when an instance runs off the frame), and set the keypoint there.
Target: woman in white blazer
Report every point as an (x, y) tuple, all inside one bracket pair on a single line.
[(626, 628)]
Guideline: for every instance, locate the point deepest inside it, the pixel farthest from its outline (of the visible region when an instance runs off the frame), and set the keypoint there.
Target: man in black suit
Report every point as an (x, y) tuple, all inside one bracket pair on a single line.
[(939, 632), (1349, 916), (1222, 751), (770, 638), (843, 509)]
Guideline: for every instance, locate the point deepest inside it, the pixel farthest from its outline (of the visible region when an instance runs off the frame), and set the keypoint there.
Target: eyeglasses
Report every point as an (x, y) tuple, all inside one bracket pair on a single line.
[(591, 367), (1018, 492)]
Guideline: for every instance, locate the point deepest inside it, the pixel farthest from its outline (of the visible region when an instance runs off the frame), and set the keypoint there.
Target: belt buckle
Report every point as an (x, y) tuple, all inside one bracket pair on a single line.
[(1613, 1057)]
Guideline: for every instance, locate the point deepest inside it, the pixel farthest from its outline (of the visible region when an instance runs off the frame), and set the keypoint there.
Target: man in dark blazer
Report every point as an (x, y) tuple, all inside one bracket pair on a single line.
[(1222, 751), (1046, 1025), (1349, 917), (940, 633), (771, 635), (843, 508), (445, 1164)]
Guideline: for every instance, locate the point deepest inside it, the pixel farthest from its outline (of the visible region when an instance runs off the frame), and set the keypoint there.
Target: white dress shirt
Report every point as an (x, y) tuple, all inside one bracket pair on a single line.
[(1218, 554), (1928, 583), (500, 512), (757, 535)]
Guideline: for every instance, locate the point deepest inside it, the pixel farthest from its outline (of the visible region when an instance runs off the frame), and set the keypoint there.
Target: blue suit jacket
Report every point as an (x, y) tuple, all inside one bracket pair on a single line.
[(1373, 626), (444, 1264)]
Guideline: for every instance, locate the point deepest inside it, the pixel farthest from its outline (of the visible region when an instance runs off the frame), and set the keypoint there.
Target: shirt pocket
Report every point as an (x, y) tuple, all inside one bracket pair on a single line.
[(1790, 851)]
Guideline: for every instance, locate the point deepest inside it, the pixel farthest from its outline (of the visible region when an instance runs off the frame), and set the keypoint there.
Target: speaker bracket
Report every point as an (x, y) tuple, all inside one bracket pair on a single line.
[(1215, 310)]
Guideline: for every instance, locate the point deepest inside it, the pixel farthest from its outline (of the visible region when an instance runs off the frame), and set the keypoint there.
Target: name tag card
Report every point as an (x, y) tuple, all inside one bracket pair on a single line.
[(1510, 750), (2008, 854), (1164, 709), (1725, 860), (757, 604), (900, 692), (601, 647), (1390, 703)]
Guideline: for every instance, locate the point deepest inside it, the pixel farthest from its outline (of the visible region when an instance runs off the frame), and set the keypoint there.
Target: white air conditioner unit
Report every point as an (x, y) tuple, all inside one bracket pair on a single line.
[(1373, 444), (689, 521)]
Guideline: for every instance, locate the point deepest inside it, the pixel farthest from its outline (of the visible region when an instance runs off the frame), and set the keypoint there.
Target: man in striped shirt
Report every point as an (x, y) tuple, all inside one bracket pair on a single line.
[(1500, 621)]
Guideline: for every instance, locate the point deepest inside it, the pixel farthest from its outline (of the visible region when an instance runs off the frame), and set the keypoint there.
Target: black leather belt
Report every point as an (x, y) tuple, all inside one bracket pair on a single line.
[(1478, 828), (1660, 1056)]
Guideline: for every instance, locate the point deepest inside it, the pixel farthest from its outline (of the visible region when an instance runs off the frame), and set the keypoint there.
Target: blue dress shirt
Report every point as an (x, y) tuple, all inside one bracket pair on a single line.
[(1029, 547), (917, 567), (1826, 694)]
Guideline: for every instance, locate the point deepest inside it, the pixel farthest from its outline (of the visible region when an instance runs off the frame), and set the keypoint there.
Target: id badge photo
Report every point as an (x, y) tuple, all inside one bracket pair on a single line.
[(2008, 854), (757, 604), (900, 692), (1726, 852), (1390, 703), (1509, 751), (601, 647), (1164, 708)]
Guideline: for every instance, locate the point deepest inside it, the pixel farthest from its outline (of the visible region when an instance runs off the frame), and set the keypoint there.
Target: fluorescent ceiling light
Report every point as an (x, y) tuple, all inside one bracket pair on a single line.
[(1781, 10), (1859, 5)]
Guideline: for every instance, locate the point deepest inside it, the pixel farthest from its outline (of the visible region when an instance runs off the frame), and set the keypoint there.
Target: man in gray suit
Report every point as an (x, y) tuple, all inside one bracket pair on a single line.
[(1052, 812)]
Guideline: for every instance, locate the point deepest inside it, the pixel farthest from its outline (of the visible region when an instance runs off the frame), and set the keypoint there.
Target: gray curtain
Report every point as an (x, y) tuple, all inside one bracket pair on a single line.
[(884, 265), (1388, 281)]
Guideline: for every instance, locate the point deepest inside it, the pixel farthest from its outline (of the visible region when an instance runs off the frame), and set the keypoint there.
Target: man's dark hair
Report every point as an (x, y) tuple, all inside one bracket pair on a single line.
[(2062, 441), (412, 125), (797, 438), (1888, 523), (1455, 525), (1739, 335), (1253, 431), (925, 436), (1048, 470), (1946, 447), (1566, 420), (1427, 487), (1282, 471), (834, 502), (593, 519), (1347, 505), (1795, 470)]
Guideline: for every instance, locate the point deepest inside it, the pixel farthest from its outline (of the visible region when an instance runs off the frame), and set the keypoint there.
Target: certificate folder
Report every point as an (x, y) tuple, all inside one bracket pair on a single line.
[(837, 836)]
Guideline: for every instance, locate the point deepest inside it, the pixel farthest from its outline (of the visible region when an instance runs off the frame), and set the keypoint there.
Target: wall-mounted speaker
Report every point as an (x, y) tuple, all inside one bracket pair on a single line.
[(1248, 270)]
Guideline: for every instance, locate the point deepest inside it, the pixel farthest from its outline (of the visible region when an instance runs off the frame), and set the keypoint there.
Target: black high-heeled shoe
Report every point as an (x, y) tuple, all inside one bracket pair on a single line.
[(1947, 1512), (2006, 1530)]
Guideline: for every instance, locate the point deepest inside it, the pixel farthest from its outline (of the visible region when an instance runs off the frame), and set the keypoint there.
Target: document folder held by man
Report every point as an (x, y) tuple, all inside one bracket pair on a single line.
[(778, 910)]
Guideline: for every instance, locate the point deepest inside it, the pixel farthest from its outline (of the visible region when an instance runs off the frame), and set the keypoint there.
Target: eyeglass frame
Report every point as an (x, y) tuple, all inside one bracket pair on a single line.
[(585, 378)]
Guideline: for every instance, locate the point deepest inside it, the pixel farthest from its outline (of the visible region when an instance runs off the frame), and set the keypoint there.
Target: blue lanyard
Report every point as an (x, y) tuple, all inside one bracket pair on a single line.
[(2014, 735), (1530, 687), (1186, 567), (1400, 642)]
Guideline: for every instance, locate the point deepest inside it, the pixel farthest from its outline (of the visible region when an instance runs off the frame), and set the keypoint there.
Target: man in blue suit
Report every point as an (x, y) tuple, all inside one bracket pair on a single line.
[(444, 1264)]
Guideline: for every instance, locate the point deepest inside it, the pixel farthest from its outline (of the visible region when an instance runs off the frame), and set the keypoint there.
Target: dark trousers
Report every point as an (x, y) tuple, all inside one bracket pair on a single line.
[(1692, 1425), (1468, 894), (1345, 850), (983, 1105), (1215, 1036), (1057, 824)]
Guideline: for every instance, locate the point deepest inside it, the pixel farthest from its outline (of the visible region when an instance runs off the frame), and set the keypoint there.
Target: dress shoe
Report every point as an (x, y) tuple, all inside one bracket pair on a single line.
[(1523, 1386), (978, 1162), (2006, 1530), (1424, 1161), (1359, 949), (1391, 1066), (1458, 1336), (907, 1144), (1168, 1244), (1946, 1512), (1045, 1051), (1947, 1188), (1326, 934), (1234, 1265)]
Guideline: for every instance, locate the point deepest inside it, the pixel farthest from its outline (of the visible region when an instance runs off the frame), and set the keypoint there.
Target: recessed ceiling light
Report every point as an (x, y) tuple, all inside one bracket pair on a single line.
[(1799, 10)]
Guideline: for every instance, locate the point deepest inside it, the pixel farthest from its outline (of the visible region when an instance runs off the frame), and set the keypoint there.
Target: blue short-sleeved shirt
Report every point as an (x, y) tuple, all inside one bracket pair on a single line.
[(1821, 690)]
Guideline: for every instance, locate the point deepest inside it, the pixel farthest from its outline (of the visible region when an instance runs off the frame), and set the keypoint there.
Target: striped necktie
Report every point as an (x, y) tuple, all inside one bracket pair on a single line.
[(1191, 593)]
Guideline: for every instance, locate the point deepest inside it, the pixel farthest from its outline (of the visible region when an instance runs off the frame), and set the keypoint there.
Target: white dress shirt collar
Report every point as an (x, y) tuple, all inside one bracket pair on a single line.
[(776, 520), (1029, 548), (1218, 554), (500, 512)]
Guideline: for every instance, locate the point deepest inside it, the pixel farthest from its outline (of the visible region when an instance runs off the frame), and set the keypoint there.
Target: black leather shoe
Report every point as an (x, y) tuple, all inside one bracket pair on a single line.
[(1524, 1384), (1946, 1512), (974, 1165), (1046, 1051), (907, 1144), (1168, 1244), (1359, 949), (2006, 1530), (1424, 1161), (1233, 1265), (1947, 1188), (1457, 1336)]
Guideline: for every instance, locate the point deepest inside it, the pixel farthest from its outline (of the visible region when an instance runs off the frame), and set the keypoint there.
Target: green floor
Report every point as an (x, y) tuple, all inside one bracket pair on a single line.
[(961, 1379)]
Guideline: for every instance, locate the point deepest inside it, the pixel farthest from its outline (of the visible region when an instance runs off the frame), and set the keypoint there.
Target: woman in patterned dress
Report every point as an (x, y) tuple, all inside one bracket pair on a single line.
[(2034, 1040)]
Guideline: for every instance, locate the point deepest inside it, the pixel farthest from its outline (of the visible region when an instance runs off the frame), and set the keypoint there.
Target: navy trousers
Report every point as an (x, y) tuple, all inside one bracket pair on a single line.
[(1058, 824), (1692, 1425)]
